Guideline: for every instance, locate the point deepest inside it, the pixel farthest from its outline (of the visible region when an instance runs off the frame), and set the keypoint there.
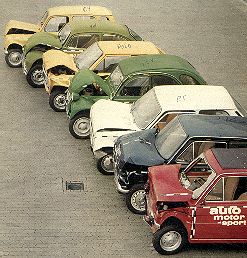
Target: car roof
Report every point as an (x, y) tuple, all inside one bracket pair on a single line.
[(192, 97), (155, 62), (128, 47), (79, 9), (213, 126), (93, 25), (233, 158)]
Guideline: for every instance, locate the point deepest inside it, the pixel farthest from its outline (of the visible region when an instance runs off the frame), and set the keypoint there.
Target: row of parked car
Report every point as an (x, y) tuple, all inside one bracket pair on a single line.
[(176, 146)]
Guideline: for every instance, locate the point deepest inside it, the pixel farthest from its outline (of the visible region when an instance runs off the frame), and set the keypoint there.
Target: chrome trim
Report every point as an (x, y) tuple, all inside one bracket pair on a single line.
[(118, 186)]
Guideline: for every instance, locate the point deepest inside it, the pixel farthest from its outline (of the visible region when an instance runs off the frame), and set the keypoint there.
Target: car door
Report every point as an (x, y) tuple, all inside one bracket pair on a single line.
[(223, 212), (132, 88)]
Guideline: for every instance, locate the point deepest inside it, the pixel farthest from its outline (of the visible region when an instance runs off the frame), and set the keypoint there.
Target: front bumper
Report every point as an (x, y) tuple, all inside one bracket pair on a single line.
[(118, 186)]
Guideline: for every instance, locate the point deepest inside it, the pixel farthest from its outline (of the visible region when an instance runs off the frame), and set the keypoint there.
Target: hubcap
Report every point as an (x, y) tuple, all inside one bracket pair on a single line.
[(138, 200), (60, 101), (38, 77), (170, 241), (107, 163), (15, 58), (81, 126)]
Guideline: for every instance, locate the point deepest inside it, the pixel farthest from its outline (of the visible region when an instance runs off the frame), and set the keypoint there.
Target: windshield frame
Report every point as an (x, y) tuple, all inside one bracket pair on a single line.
[(43, 20)]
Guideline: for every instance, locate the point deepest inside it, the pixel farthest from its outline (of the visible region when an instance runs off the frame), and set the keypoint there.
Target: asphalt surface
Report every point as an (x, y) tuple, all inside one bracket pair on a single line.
[(38, 217)]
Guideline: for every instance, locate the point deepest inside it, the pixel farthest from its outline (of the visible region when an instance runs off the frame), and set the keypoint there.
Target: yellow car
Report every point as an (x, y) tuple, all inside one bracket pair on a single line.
[(102, 57), (17, 33)]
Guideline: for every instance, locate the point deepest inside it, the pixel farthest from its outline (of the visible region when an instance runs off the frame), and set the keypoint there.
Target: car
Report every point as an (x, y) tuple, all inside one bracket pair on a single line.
[(73, 38), (154, 109), (17, 33), (132, 78), (195, 205), (182, 140), (101, 57)]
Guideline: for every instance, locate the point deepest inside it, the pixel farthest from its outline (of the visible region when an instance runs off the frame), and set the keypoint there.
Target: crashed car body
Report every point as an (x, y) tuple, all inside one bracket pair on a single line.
[(132, 78), (73, 38), (183, 139), (155, 109), (17, 33), (101, 57), (204, 203)]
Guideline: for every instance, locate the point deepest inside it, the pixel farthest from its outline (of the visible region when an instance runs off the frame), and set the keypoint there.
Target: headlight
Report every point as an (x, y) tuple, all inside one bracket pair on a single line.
[(75, 96)]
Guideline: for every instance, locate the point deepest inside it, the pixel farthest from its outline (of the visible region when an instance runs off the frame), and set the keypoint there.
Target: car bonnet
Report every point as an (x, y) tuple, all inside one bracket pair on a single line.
[(42, 38), (139, 148), (21, 25)]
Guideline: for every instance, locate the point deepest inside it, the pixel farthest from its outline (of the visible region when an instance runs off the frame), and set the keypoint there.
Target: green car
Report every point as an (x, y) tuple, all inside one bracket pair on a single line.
[(132, 78), (73, 38)]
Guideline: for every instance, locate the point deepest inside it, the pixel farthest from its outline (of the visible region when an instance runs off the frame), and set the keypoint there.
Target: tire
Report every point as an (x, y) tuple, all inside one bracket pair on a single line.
[(35, 76), (79, 126), (169, 239), (14, 58), (135, 199), (102, 165), (57, 100)]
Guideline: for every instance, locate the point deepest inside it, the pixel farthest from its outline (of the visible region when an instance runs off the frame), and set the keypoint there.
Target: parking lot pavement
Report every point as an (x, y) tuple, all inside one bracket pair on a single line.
[(38, 216)]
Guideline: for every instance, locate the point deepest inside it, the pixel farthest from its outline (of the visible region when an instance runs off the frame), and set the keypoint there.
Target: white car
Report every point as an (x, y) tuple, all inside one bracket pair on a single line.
[(111, 119)]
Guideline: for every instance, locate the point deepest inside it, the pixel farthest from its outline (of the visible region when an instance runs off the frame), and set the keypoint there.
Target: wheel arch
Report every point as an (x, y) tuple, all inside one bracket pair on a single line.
[(14, 46)]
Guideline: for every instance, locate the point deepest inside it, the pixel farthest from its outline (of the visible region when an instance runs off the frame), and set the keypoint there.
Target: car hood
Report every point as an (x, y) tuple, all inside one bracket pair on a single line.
[(86, 77), (139, 149), (22, 26), (42, 38), (117, 117), (53, 58), (164, 182)]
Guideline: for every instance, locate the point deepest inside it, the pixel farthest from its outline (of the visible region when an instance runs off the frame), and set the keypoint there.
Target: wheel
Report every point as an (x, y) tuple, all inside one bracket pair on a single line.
[(57, 100), (79, 126), (105, 165), (35, 76), (14, 58), (135, 199), (169, 239)]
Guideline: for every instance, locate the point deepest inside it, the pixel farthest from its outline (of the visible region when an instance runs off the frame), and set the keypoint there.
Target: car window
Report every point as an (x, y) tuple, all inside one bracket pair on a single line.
[(163, 80), (82, 17), (56, 23), (188, 80), (83, 41), (109, 63), (136, 87), (214, 112), (196, 148), (229, 189), (113, 37)]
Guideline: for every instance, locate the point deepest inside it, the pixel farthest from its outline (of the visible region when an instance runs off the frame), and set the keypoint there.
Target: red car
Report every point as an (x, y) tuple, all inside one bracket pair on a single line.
[(204, 203)]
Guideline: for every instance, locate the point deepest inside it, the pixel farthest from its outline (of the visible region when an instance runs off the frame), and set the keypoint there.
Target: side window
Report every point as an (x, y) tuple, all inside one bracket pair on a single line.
[(109, 63), (113, 37), (163, 80), (188, 80), (82, 41), (56, 23), (237, 144), (82, 18), (87, 40), (196, 148), (229, 189), (214, 112), (136, 87)]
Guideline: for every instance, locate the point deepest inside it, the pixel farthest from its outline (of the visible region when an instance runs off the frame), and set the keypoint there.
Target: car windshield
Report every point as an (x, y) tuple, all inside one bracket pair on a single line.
[(43, 19), (240, 108), (116, 77), (170, 139), (88, 57), (146, 109), (64, 33), (196, 177)]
